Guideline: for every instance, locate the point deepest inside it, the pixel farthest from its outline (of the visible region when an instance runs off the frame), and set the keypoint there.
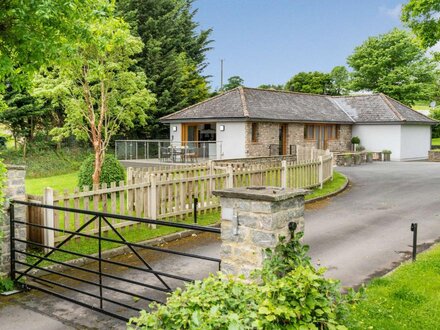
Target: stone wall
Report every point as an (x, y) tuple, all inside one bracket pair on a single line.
[(344, 141), (268, 134), (434, 155), (253, 220), (14, 189)]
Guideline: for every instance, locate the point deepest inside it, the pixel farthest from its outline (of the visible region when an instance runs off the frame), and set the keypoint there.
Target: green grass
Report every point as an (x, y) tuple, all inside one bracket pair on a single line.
[(407, 299), (436, 142), (423, 105), (329, 187), (46, 163), (137, 233), (61, 182)]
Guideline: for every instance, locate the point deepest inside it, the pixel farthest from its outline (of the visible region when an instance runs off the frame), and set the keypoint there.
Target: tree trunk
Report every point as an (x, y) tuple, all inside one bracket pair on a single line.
[(98, 166)]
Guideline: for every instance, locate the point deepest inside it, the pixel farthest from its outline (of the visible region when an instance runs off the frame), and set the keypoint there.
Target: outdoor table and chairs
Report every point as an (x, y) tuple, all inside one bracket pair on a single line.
[(182, 154)]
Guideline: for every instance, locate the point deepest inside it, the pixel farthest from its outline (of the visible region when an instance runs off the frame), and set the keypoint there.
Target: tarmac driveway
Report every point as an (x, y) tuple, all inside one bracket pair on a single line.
[(365, 231)]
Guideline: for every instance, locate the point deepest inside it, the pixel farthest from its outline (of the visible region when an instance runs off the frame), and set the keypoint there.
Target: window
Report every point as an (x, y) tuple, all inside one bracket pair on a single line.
[(309, 132), (331, 132), (254, 132)]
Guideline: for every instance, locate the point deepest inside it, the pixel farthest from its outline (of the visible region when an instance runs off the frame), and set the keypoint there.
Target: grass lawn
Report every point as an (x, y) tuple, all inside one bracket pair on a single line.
[(407, 299), (58, 182), (436, 142), (329, 187), (46, 163)]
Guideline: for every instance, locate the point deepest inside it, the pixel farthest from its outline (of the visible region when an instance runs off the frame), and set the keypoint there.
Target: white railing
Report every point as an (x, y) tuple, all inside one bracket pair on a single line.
[(168, 151)]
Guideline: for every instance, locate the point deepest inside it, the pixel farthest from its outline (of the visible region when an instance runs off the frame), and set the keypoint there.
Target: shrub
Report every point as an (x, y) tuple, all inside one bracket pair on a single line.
[(386, 152), (355, 140), (290, 294), (112, 171), (6, 284)]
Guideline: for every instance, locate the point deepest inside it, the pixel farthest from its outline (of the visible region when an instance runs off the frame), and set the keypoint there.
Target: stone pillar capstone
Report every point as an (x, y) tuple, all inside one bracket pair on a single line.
[(253, 219)]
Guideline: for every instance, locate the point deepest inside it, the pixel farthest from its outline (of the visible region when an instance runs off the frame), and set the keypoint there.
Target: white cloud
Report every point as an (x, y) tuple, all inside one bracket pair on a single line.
[(393, 12)]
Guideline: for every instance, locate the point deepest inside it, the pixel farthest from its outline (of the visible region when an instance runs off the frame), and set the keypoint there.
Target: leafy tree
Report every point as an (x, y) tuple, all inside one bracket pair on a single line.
[(340, 80), (33, 33), (99, 92), (310, 82), (435, 114), (271, 86), (174, 55), (394, 64), (423, 17), (22, 115), (233, 82)]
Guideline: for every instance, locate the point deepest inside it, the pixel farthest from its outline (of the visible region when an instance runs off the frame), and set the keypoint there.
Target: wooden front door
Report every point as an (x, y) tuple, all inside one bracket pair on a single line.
[(283, 139)]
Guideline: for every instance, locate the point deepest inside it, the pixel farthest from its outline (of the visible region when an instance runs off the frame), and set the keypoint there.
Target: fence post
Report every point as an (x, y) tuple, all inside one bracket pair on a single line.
[(49, 235), (284, 174), (230, 179), (210, 173), (320, 170), (153, 197), (331, 165)]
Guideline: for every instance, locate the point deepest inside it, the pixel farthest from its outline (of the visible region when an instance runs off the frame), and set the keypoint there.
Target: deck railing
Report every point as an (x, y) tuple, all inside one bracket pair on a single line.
[(168, 151)]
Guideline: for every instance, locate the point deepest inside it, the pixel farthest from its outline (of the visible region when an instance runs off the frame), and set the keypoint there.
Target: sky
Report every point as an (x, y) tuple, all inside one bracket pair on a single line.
[(269, 41)]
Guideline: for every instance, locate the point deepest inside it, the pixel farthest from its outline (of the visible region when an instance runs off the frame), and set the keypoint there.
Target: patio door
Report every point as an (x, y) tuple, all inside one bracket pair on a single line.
[(190, 134), (321, 138)]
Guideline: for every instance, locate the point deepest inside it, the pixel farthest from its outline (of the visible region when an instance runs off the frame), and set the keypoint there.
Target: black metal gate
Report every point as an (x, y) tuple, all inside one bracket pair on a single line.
[(91, 282)]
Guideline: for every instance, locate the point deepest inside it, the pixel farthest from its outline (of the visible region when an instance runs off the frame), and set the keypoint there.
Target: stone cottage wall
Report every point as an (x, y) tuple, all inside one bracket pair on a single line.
[(344, 141), (268, 133)]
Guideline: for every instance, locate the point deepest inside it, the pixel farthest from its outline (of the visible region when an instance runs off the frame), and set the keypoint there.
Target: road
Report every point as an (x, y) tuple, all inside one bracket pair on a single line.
[(365, 231)]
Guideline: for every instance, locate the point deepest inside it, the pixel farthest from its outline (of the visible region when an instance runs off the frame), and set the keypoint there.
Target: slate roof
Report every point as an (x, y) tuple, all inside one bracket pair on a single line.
[(244, 103)]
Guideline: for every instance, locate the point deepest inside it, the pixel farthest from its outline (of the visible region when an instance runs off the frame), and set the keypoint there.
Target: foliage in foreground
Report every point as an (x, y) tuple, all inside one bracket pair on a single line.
[(407, 299), (6, 284), (112, 171), (289, 294)]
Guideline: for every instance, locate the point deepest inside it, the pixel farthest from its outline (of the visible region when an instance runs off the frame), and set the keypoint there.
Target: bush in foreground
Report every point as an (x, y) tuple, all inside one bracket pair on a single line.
[(112, 171), (291, 294)]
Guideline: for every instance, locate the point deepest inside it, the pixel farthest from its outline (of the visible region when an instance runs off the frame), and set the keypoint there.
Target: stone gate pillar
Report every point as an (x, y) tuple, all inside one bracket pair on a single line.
[(253, 219), (14, 189)]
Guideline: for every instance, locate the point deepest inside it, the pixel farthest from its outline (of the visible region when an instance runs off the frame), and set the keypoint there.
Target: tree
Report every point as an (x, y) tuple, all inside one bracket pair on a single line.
[(33, 33), (310, 82), (423, 17), (435, 114), (394, 64), (271, 86), (340, 78), (174, 54), (22, 115), (232, 83), (100, 93)]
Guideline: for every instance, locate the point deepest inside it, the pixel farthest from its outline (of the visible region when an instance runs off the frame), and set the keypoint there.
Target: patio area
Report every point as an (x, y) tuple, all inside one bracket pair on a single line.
[(156, 152)]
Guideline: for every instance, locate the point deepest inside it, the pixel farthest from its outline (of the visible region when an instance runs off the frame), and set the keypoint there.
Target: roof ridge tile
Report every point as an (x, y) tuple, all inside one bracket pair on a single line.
[(243, 102)]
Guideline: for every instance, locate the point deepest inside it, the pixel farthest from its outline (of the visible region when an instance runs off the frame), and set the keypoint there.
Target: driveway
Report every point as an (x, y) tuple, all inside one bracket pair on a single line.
[(365, 231), (360, 233)]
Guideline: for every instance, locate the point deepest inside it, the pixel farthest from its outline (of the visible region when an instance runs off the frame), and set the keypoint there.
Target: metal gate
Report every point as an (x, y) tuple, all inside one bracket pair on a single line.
[(91, 284)]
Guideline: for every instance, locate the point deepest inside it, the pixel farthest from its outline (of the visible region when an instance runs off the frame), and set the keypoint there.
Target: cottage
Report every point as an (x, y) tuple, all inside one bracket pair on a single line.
[(249, 122)]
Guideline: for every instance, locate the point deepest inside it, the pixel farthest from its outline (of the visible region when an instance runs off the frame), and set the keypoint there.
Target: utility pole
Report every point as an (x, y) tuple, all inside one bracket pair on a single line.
[(221, 74)]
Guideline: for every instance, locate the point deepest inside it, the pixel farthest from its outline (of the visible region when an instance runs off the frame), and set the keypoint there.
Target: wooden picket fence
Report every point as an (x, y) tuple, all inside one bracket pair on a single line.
[(169, 193)]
